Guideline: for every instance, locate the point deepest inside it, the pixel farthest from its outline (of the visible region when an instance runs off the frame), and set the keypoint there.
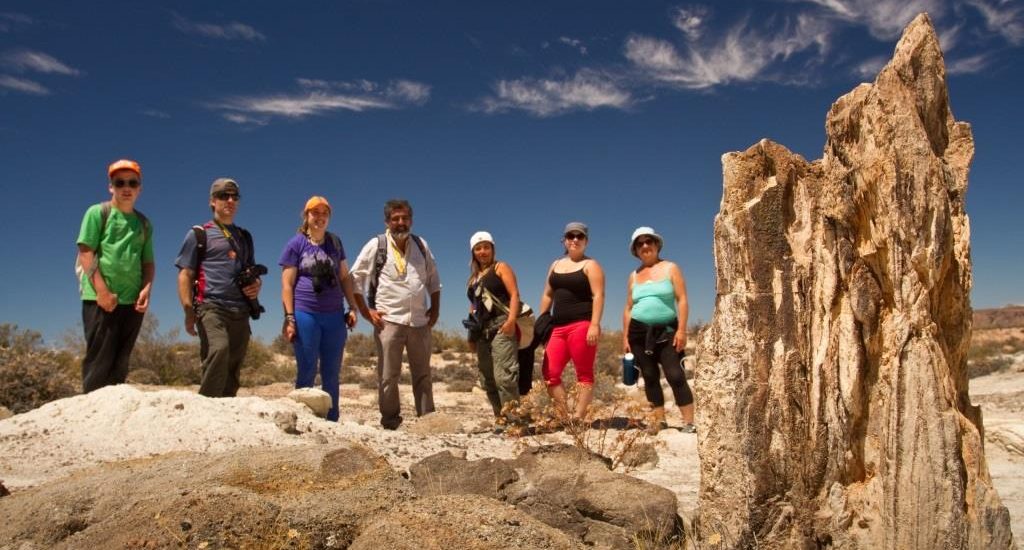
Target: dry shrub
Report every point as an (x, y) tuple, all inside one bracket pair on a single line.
[(360, 348), (450, 340), (460, 386), (282, 346), (263, 366), (31, 375), (163, 358), (613, 427), (992, 356), (459, 372), (366, 377)]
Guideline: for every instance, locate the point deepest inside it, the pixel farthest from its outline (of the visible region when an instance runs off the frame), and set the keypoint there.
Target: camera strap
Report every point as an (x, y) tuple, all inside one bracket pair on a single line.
[(246, 260)]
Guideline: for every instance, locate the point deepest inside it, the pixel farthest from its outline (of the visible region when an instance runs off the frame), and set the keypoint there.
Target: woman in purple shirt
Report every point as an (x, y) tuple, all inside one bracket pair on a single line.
[(315, 283)]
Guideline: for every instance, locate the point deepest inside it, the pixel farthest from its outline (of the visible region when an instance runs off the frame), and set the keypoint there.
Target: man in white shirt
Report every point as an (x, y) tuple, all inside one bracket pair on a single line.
[(398, 291)]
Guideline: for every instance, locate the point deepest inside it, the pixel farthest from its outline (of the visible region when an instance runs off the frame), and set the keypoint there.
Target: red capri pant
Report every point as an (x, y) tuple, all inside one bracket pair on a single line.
[(569, 342)]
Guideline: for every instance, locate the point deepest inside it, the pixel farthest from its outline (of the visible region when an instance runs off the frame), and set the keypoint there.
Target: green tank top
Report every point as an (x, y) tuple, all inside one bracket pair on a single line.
[(654, 302)]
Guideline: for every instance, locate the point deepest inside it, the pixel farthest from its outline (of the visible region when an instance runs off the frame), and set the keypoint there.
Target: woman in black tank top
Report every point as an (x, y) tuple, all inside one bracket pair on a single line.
[(574, 294), (497, 346)]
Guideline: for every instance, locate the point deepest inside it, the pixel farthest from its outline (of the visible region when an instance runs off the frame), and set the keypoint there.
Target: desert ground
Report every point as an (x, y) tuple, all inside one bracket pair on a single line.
[(137, 421)]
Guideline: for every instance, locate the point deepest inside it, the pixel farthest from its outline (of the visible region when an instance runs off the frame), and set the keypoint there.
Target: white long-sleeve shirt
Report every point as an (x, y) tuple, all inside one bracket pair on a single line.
[(401, 299)]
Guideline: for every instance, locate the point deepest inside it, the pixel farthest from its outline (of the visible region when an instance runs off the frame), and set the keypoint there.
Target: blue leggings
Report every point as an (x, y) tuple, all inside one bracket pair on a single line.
[(320, 338)]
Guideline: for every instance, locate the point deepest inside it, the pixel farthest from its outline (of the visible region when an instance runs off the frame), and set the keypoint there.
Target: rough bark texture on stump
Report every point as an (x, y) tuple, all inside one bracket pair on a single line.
[(832, 386)]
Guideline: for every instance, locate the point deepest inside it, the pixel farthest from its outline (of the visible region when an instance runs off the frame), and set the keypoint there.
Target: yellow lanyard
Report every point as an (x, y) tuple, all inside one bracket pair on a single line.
[(233, 254), (224, 229), (400, 264)]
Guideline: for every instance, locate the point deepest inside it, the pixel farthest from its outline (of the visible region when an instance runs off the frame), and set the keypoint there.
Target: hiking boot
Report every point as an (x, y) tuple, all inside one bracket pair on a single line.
[(688, 429)]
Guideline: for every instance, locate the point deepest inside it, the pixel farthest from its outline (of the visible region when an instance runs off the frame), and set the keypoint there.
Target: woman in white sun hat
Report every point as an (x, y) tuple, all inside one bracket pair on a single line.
[(654, 326), (495, 306), (574, 294)]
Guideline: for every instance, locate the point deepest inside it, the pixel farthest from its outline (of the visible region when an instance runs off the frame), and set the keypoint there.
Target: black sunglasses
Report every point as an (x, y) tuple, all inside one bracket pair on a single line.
[(228, 196), (575, 236), (642, 242), (119, 183)]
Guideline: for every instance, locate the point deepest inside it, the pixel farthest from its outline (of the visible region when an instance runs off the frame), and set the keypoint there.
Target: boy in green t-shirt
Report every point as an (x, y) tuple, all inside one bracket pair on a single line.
[(116, 258)]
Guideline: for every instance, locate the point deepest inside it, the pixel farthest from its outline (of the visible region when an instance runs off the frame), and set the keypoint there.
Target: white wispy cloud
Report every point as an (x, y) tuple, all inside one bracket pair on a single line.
[(155, 113), (319, 97), (227, 31), (884, 19), (691, 20), (949, 37), (574, 43), (239, 118), (968, 65), (586, 90), (1004, 17), (23, 85), (415, 93), (741, 54), (9, 21), (869, 68), (28, 60)]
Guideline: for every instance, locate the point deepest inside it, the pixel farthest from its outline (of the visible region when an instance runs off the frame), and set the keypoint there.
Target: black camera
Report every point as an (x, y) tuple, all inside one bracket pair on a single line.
[(249, 275), (474, 328), (324, 276)]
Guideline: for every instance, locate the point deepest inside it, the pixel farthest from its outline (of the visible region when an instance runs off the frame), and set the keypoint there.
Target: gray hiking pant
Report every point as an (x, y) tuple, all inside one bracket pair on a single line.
[(497, 360), (391, 341), (223, 340)]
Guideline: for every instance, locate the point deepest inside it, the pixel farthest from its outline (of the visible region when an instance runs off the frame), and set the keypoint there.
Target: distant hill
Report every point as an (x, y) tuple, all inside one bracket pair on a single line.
[(1002, 317)]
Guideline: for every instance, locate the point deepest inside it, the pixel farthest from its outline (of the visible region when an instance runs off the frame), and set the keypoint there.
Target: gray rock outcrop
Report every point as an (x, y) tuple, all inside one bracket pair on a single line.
[(565, 488), (307, 497), (832, 385)]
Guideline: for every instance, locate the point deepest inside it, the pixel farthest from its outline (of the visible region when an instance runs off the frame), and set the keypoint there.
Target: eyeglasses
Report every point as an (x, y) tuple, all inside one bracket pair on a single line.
[(228, 197), (645, 242), (119, 183), (575, 237)]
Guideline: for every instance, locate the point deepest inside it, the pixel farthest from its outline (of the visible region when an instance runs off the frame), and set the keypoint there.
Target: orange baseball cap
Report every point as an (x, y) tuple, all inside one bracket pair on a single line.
[(124, 164), (315, 201)]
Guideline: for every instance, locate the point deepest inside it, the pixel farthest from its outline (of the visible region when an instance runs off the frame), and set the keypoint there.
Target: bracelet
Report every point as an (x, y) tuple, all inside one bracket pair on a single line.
[(290, 317)]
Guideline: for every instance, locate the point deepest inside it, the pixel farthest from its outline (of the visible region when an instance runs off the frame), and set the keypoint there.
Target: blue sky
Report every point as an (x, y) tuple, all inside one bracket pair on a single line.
[(514, 117)]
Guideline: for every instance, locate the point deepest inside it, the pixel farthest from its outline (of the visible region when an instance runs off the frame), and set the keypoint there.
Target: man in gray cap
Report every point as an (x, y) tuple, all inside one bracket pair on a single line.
[(216, 306)]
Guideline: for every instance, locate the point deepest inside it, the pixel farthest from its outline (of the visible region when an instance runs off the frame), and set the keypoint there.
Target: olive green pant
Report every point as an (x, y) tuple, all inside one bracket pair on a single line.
[(223, 340), (497, 360)]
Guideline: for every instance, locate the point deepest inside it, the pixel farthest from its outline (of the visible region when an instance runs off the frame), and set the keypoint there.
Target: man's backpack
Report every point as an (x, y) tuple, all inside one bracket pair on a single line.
[(381, 258), (200, 233), (105, 207)]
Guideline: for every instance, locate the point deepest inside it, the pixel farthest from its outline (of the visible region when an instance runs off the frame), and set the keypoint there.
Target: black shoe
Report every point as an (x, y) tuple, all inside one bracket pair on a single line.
[(391, 424), (688, 429)]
